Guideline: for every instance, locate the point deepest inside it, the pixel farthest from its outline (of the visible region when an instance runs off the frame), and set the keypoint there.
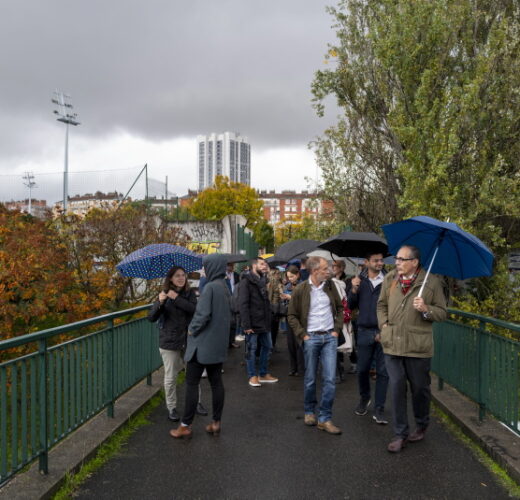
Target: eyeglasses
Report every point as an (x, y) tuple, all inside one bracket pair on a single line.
[(402, 259)]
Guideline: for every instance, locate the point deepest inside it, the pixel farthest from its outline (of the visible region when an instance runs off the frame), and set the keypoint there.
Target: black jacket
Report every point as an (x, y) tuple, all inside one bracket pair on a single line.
[(366, 301), (254, 305), (175, 316)]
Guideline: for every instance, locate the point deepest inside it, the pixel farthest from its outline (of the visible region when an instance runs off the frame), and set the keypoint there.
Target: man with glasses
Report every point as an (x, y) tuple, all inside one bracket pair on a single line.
[(316, 317), (405, 321), (364, 295)]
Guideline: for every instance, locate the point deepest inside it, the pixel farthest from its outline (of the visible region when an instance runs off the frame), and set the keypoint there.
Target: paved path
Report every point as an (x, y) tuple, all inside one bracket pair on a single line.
[(265, 452)]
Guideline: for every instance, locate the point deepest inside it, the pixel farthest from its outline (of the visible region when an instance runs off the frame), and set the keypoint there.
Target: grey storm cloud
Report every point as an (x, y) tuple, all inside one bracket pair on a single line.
[(162, 68)]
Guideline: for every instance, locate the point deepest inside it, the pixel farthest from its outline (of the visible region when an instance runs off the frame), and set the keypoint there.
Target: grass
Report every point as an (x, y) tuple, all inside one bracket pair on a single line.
[(512, 487), (108, 450)]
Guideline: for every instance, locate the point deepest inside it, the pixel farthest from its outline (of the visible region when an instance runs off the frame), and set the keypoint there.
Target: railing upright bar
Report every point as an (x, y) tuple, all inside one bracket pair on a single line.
[(150, 353), (480, 369), (14, 416), (23, 403), (3, 423), (110, 368), (42, 372)]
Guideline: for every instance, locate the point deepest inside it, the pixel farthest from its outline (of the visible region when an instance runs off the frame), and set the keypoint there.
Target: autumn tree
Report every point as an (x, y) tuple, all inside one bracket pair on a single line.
[(100, 240), (38, 289), (226, 197)]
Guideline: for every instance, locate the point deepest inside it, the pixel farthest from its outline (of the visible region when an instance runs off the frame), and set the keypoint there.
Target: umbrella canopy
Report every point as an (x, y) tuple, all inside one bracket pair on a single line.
[(445, 248), (291, 250), (233, 258), (154, 261), (353, 244)]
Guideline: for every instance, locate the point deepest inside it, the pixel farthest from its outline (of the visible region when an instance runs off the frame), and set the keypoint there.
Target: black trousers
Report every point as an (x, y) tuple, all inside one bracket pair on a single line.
[(194, 371), (415, 371), (295, 353), (275, 326)]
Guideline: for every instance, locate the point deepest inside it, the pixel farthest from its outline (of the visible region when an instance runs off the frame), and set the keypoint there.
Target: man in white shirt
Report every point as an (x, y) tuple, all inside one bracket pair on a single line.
[(316, 316)]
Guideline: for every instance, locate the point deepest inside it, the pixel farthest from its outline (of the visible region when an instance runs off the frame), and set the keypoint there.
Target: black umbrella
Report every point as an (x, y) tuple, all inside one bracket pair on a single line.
[(353, 244), (233, 258), (291, 250)]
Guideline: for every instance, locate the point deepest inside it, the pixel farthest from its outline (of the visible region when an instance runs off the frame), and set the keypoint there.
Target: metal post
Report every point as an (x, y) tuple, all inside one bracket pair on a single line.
[(66, 170), (110, 369), (480, 368), (166, 196), (43, 455)]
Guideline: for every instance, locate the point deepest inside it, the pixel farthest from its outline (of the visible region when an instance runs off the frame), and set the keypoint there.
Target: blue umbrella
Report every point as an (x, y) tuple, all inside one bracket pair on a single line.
[(445, 248), (154, 261)]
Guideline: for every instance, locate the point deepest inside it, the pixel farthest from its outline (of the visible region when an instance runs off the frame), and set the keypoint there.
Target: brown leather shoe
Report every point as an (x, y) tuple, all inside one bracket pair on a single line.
[(417, 435), (310, 419), (329, 427), (213, 428), (183, 431), (396, 445)]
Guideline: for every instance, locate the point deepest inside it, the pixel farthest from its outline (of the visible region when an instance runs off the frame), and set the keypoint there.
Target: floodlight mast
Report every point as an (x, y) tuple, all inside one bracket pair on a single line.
[(66, 115), (29, 182)]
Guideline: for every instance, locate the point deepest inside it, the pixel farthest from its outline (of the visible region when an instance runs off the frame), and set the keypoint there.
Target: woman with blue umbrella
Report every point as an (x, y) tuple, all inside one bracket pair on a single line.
[(174, 309)]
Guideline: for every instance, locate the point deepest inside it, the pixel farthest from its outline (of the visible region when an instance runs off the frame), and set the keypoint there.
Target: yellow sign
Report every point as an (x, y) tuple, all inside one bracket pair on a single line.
[(204, 247)]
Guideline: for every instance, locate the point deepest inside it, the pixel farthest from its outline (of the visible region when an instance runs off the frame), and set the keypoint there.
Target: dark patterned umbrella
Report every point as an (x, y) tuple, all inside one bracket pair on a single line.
[(154, 261)]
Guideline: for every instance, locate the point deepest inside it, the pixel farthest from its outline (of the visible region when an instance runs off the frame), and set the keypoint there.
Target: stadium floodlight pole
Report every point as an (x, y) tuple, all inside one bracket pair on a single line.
[(29, 182), (66, 115)]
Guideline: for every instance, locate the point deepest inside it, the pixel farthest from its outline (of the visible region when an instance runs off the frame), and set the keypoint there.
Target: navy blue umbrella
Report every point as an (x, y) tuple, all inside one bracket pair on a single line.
[(445, 248), (154, 261)]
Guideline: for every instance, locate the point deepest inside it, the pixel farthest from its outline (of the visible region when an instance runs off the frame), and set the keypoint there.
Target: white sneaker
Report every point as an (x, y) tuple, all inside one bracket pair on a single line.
[(240, 338)]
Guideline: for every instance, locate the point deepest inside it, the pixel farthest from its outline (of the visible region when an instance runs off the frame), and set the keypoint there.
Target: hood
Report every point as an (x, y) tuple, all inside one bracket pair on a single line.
[(214, 266)]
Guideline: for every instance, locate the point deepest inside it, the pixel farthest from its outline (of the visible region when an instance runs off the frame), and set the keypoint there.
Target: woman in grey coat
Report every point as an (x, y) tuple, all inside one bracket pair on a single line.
[(208, 336)]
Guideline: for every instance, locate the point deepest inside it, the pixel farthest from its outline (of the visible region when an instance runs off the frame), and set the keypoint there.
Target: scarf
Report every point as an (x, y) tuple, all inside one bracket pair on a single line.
[(406, 284)]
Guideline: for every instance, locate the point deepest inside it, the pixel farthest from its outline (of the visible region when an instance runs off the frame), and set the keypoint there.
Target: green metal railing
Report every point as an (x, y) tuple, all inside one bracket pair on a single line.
[(481, 364), (46, 395)]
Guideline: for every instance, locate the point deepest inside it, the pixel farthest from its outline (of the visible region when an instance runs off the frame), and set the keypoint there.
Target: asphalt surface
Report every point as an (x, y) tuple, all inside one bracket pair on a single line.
[(266, 452)]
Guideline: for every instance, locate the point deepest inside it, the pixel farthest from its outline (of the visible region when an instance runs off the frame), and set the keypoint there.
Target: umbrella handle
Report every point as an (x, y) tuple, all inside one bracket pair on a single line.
[(428, 272)]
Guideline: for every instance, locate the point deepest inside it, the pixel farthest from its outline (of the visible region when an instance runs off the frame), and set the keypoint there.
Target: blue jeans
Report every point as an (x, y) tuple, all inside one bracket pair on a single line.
[(368, 351), (320, 348), (266, 346)]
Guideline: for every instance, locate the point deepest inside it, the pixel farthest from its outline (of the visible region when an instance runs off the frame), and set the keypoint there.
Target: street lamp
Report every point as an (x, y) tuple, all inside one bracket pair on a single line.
[(29, 182), (66, 115)]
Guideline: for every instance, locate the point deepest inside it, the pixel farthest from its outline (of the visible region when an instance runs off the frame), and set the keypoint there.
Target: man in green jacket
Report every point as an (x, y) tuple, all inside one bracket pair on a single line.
[(316, 316), (405, 321)]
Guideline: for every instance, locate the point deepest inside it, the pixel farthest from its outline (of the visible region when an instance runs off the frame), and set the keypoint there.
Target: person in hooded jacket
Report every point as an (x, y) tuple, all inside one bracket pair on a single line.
[(174, 309), (208, 337)]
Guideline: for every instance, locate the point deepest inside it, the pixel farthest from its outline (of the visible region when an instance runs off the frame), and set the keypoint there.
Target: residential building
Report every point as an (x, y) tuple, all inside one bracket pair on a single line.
[(288, 205), (227, 154), (82, 204), (39, 208)]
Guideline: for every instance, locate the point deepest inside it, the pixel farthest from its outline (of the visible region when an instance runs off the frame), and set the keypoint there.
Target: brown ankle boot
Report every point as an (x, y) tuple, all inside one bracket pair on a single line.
[(213, 428), (183, 431)]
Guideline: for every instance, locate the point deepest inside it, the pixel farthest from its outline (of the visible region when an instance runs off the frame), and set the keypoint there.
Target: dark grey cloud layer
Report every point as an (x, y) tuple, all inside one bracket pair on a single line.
[(162, 68)]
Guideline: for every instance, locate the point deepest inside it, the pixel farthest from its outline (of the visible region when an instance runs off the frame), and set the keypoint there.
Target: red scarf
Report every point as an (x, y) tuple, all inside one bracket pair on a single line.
[(406, 284)]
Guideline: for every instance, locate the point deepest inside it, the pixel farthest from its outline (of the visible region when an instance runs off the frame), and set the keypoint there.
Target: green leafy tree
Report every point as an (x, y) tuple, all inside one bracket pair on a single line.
[(431, 106), (228, 198), (264, 235), (430, 100)]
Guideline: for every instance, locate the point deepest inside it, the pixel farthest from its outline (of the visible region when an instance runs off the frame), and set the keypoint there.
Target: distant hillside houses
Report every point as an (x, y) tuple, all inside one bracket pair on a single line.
[(81, 204)]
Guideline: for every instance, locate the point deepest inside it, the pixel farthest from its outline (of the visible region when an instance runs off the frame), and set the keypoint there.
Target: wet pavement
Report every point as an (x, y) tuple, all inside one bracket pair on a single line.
[(265, 451)]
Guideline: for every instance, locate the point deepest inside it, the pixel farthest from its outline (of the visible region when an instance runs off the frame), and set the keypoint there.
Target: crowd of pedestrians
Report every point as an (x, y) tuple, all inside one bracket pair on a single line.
[(376, 317)]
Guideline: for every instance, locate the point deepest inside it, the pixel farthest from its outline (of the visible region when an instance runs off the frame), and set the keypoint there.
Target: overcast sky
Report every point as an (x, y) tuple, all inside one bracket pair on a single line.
[(146, 77)]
